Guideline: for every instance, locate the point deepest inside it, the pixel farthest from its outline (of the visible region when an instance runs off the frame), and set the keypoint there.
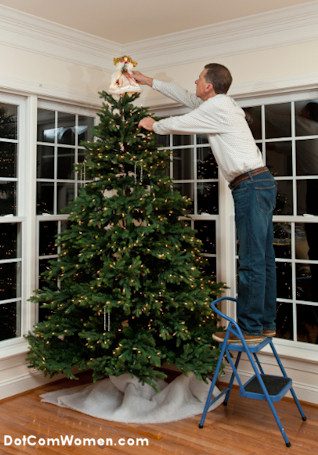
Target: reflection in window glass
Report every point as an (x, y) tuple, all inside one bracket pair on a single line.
[(65, 195), (306, 282), (210, 267), (206, 164), (46, 125), (66, 128), (202, 139), (307, 200), (44, 266), (45, 162), (301, 244), (307, 323), (9, 317), (307, 241), (8, 121), (208, 198), (183, 164), (65, 163), (186, 189), (284, 280), (284, 200), (307, 157), (253, 118), (48, 232), (163, 140), (284, 320), (205, 231), (45, 198), (10, 281), (8, 159), (8, 198), (306, 118), (279, 158), (8, 240), (80, 156), (182, 140), (312, 241), (85, 128), (277, 120), (282, 240)]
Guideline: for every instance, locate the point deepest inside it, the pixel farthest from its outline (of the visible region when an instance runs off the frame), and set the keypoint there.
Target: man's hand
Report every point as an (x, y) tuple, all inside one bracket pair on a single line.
[(142, 79), (147, 123)]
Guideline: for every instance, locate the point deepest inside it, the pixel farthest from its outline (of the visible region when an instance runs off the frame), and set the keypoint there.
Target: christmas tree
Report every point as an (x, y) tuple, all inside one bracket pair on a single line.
[(127, 293)]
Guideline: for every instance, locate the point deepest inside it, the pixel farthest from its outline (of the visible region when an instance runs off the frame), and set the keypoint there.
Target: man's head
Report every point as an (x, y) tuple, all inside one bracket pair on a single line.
[(213, 79)]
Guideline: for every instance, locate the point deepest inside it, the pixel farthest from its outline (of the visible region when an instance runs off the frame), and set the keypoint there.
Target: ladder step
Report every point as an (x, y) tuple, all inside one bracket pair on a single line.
[(276, 386)]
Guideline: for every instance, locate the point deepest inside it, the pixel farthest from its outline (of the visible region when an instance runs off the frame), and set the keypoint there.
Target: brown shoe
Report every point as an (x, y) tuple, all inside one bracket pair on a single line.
[(269, 333), (250, 339)]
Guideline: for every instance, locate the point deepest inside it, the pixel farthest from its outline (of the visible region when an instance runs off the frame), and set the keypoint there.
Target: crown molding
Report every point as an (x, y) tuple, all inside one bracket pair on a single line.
[(24, 31), (286, 26)]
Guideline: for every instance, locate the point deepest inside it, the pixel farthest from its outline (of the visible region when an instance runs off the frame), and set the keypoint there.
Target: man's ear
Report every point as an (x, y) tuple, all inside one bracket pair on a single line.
[(209, 87)]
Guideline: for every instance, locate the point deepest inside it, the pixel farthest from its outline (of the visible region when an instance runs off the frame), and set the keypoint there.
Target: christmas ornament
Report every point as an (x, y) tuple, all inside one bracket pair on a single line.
[(122, 80)]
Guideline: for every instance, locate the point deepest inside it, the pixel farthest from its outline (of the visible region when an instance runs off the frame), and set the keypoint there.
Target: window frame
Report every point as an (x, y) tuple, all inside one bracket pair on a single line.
[(289, 348), (26, 197)]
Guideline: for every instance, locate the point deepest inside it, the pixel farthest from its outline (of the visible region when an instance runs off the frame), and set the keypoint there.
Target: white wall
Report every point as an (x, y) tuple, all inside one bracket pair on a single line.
[(279, 69), (27, 72)]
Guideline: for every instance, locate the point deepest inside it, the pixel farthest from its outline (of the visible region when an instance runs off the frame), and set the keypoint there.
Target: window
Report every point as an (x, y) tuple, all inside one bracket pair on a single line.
[(59, 137), (285, 129), (10, 221), (28, 230), (194, 172), (60, 132), (287, 134)]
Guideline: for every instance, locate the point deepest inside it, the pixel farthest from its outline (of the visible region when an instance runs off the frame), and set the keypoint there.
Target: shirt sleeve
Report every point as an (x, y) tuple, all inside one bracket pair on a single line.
[(206, 119), (177, 93)]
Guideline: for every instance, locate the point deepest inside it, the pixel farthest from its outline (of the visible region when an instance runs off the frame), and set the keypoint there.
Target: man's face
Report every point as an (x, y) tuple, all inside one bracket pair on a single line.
[(204, 89)]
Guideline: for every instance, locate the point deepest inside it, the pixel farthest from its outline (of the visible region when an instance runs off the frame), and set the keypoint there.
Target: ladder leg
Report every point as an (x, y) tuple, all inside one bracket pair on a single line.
[(279, 424), (266, 394), (213, 383), (282, 369), (227, 396), (300, 409)]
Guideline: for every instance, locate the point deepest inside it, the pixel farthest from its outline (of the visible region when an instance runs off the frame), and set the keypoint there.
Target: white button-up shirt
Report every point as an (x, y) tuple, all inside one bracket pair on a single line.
[(222, 120)]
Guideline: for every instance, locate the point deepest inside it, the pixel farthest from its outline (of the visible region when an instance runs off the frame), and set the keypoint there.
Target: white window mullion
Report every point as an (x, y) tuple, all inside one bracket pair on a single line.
[(28, 187)]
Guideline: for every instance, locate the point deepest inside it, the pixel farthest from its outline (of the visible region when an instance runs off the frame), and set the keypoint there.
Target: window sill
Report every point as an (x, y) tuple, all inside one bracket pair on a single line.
[(303, 352), (11, 348)]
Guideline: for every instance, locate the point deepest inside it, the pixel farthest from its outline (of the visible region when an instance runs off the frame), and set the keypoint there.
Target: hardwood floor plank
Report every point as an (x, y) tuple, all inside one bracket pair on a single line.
[(244, 427)]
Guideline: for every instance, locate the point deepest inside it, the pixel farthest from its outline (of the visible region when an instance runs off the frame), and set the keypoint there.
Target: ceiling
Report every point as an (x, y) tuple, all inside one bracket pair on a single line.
[(126, 21)]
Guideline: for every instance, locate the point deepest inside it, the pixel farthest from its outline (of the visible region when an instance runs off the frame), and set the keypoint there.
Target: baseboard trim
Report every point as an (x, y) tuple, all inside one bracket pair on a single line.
[(24, 382)]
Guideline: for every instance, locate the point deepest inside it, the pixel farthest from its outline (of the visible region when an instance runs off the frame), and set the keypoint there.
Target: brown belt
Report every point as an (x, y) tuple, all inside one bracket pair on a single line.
[(240, 178)]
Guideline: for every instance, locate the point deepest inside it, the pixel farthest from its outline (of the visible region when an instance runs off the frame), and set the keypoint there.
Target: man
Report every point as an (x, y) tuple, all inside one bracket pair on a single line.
[(253, 188)]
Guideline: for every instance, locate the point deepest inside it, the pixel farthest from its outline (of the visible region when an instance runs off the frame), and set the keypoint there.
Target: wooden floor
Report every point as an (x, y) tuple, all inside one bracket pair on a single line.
[(244, 427)]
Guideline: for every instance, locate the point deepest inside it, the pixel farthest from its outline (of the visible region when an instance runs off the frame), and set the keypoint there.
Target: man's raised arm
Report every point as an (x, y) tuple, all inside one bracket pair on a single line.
[(170, 90)]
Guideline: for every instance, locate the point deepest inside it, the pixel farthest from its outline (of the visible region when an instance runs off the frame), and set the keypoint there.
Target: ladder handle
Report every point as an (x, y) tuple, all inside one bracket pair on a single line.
[(217, 311)]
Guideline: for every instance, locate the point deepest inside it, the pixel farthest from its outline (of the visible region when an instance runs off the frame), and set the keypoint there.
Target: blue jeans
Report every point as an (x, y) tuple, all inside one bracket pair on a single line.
[(254, 202)]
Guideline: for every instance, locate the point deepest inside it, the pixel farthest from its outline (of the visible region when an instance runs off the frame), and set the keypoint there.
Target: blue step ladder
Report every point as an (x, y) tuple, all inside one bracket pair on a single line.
[(260, 386)]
